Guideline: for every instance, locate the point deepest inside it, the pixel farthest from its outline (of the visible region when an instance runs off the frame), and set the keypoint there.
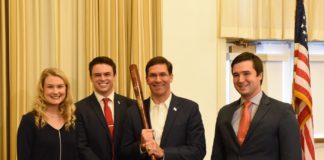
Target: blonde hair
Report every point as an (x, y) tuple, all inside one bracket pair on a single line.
[(66, 108)]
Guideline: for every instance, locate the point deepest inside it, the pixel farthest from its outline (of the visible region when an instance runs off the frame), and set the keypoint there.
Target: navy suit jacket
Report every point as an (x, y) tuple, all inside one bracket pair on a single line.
[(93, 136), (273, 133), (183, 136)]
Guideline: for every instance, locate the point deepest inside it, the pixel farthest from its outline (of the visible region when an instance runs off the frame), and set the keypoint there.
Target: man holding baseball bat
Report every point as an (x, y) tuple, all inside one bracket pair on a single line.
[(177, 131)]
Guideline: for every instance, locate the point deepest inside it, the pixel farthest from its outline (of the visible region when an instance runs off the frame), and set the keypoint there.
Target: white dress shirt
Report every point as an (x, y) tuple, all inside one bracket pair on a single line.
[(110, 103), (158, 115), (238, 113)]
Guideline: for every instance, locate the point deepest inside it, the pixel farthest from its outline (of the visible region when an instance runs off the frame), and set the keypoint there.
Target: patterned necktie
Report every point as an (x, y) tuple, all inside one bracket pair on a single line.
[(244, 122), (108, 116), (110, 122)]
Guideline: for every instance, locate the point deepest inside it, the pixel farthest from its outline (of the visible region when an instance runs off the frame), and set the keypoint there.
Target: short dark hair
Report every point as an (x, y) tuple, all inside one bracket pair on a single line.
[(102, 60), (158, 60), (247, 56)]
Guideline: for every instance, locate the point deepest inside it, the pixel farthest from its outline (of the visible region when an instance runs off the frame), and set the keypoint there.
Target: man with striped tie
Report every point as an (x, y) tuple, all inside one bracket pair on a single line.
[(100, 116)]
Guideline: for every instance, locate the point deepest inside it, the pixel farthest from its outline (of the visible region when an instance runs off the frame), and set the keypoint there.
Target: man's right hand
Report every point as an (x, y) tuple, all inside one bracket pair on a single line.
[(146, 138), (149, 145)]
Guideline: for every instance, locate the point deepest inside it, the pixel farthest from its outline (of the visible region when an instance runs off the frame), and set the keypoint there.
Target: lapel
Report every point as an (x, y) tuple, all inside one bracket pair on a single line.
[(262, 110), (174, 109), (147, 112), (228, 120), (98, 111), (117, 113)]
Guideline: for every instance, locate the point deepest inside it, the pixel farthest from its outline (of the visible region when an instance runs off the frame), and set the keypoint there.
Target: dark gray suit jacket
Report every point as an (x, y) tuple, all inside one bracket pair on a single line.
[(183, 136), (273, 134), (93, 136)]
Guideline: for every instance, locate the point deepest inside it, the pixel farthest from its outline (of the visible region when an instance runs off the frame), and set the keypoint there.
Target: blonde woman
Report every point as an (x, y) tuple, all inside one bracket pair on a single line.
[(47, 132)]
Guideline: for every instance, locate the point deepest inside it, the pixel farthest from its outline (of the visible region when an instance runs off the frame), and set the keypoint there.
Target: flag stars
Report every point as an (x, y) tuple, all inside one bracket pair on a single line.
[(302, 26), (304, 32)]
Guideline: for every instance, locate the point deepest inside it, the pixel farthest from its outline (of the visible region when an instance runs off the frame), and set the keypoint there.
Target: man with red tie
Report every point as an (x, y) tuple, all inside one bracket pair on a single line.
[(100, 116), (255, 127)]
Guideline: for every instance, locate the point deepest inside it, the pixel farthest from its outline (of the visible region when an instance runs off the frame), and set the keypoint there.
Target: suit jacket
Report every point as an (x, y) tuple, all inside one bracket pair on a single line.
[(273, 133), (183, 136), (93, 137)]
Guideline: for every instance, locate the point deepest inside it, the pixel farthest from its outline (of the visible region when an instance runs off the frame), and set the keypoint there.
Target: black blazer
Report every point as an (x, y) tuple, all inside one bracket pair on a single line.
[(183, 136), (273, 134), (93, 137)]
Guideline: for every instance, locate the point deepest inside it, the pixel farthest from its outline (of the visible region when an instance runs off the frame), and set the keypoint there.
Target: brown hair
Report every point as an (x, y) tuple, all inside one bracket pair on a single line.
[(247, 56), (158, 60)]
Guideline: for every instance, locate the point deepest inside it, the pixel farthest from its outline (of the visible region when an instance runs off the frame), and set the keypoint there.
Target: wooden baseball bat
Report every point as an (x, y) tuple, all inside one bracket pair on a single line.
[(139, 96)]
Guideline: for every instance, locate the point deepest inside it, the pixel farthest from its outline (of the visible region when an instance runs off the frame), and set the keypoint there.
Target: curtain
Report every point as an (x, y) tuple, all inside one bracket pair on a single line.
[(129, 32), (68, 35), (3, 78), (315, 19), (268, 19), (220, 60)]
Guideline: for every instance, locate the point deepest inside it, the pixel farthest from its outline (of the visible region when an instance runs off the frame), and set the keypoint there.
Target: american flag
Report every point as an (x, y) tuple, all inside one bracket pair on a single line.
[(302, 98)]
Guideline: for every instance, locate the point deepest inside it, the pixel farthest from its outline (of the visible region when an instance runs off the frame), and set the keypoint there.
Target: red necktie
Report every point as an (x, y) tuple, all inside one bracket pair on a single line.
[(110, 122), (108, 116), (244, 122)]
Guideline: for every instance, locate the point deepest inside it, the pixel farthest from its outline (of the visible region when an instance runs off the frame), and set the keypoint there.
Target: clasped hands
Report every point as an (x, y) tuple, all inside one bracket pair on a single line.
[(149, 144)]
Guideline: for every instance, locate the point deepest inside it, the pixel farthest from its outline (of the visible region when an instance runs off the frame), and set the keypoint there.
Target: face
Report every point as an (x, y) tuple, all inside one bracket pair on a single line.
[(159, 80), (245, 79), (54, 90), (103, 79)]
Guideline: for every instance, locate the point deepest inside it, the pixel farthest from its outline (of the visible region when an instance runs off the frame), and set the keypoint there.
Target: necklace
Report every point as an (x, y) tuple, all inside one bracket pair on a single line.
[(53, 116)]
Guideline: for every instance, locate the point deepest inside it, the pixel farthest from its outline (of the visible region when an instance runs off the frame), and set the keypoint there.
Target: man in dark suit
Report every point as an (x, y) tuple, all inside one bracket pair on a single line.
[(177, 129), (95, 139), (255, 127)]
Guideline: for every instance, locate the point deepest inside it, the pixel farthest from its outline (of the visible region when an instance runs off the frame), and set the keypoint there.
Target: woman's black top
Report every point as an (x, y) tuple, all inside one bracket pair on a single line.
[(46, 143)]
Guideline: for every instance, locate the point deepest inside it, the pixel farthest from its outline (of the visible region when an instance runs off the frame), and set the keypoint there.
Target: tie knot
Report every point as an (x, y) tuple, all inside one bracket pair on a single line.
[(247, 104), (106, 100)]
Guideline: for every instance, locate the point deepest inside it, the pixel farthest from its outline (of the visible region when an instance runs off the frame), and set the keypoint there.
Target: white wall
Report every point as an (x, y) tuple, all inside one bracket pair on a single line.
[(189, 42), (317, 70), (319, 151)]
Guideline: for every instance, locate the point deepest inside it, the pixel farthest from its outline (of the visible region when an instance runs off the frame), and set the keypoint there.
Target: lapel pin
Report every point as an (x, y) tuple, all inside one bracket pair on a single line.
[(175, 109), (118, 102)]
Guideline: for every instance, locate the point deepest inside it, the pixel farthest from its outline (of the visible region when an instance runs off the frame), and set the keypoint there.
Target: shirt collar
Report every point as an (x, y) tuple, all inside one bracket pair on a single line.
[(100, 97), (166, 103), (255, 100)]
